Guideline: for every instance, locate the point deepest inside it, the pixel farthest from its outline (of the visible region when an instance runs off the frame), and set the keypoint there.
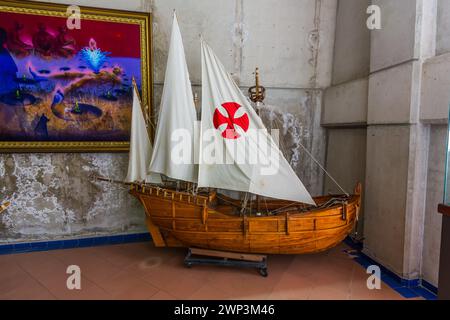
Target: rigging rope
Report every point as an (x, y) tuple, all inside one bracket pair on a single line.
[(274, 123), (324, 170)]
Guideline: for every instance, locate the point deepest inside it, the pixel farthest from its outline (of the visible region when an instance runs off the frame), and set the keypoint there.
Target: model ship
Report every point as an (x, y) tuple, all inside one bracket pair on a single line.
[(185, 201)]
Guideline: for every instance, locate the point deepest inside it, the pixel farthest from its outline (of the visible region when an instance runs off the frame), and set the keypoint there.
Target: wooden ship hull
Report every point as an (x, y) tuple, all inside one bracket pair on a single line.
[(213, 222)]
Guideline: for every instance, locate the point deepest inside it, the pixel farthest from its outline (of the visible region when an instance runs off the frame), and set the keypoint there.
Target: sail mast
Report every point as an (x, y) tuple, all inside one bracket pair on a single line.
[(257, 95)]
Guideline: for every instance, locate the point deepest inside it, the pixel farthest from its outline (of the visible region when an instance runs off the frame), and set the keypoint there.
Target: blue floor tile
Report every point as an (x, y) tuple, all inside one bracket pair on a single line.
[(425, 293), (391, 282), (70, 243), (428, 286), (85, 242), (22, 247), (116, 239), (407, 288), (6, 248), (407, 292), (101, 241), (54, 245), (39, 246)]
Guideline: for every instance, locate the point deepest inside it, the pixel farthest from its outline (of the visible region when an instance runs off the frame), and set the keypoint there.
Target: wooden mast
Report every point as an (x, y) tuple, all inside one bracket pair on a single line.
[(257, 94)]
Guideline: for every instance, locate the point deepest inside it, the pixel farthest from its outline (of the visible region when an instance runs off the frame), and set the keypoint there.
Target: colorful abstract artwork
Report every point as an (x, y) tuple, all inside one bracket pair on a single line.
[(69, 86)]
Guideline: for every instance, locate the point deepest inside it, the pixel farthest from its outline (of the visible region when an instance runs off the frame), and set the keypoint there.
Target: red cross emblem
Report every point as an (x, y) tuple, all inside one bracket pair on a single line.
[(229, 132)]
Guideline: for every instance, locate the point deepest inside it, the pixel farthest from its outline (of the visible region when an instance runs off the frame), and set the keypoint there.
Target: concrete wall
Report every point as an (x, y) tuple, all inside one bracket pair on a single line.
[(399, 89), (352, 44), (443, 27), (346, 161), (397, 145), (345, 103), (435, 98), (384, 224), (435, 191), (291, 41)]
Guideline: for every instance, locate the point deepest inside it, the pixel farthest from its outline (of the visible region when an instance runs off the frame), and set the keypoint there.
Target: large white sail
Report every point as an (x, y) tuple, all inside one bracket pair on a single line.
[(232, 135), (140, 147), (174, 143)]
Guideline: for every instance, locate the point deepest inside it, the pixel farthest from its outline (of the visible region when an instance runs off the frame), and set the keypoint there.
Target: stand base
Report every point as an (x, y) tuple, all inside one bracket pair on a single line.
[(224, 258)]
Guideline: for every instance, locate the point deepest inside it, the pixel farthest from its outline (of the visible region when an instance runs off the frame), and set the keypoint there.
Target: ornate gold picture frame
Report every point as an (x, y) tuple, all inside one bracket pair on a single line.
[(66, 84)]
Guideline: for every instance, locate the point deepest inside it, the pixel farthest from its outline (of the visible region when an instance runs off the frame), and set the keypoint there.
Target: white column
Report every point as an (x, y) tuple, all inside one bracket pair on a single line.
[(397, 143)]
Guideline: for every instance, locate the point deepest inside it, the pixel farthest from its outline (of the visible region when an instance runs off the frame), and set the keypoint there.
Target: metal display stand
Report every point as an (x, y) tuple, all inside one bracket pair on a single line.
[(197, 256)]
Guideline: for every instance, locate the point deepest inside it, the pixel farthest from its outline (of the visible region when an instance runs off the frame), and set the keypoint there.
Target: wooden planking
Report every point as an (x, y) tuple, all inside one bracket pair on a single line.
[(322, 213), (189, 225), (267, 243), (301, 242), (262, 225), (171, 241), (196, 239), (300, 224), (188, 211), (288, 233), (330, 222), (225, 225), (158, 208), (229, 241), (157, 237), (163, 223)]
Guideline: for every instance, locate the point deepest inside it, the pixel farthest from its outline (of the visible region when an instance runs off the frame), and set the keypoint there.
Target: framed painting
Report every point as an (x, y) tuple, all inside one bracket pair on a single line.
[(66, 76)]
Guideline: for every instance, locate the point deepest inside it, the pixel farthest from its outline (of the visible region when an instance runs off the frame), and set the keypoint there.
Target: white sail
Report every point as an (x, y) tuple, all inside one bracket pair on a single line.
[(232, 131), (140, 147), (174, 143)]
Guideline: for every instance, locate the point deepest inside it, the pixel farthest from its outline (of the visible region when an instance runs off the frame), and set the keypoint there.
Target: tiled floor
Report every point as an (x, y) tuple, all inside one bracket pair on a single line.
[(140, 271)]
